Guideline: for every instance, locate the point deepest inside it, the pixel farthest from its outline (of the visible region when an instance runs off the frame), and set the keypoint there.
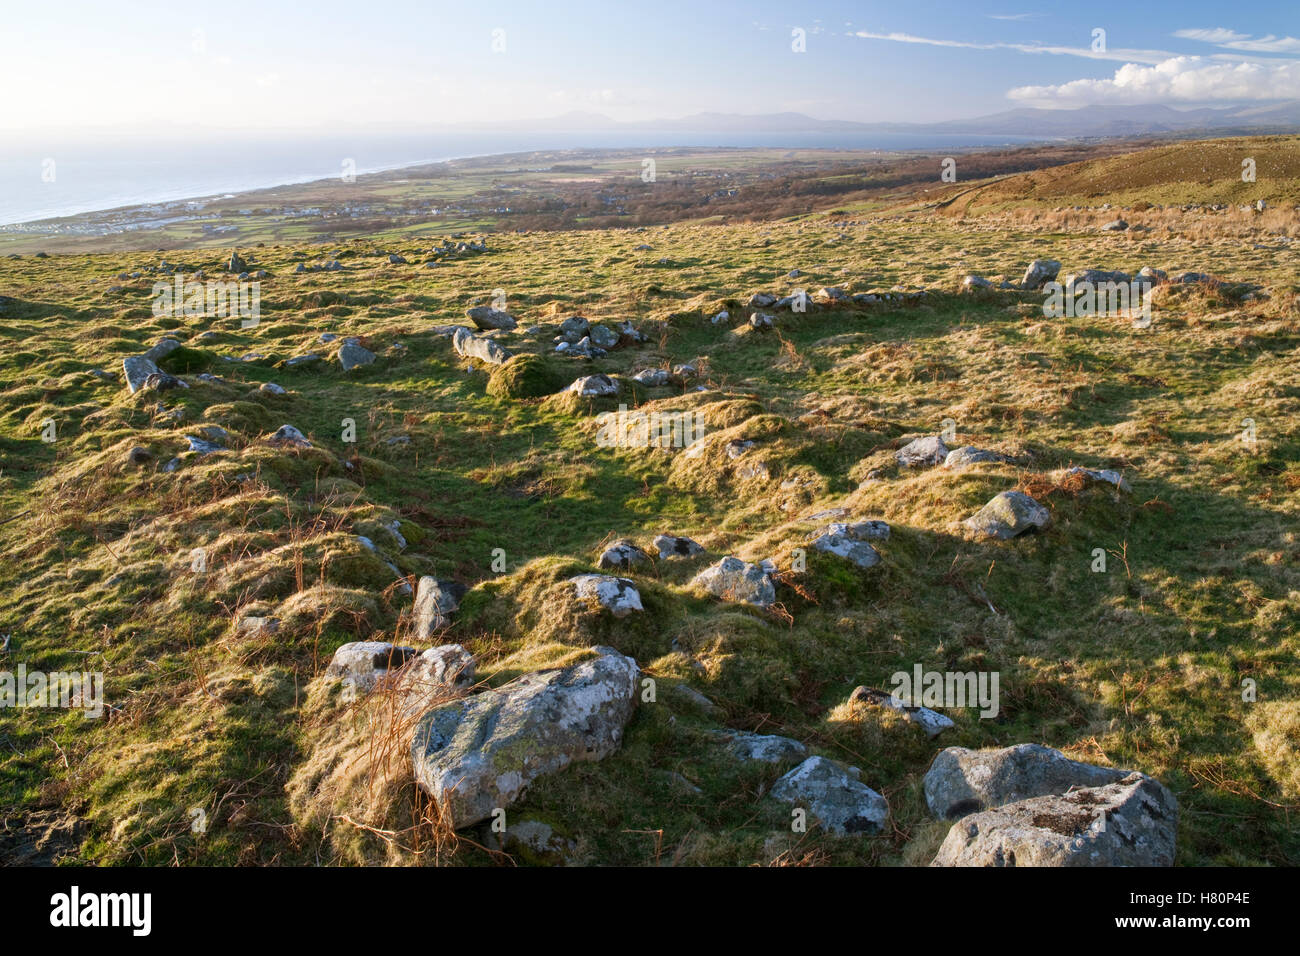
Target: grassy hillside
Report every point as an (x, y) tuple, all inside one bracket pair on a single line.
[(1202, 172), (1140, 666)]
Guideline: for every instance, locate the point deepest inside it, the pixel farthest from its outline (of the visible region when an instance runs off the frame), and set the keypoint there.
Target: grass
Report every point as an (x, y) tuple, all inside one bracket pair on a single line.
[(1139, 666)]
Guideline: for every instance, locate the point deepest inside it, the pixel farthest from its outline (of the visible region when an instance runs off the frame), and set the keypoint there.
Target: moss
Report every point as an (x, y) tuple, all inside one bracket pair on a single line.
[(525, 376)]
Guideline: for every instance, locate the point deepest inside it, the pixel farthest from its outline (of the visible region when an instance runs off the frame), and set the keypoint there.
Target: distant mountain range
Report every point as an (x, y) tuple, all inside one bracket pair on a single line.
[(1086, 122)]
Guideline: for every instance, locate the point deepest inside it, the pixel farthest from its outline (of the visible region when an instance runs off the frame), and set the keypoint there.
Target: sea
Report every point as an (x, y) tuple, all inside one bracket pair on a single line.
[(45, 179)]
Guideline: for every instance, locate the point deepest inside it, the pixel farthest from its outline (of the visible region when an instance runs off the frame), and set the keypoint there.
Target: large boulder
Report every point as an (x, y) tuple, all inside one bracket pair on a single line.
[(1094, 277), (834, 797), (1133, 822), (962, 781), (481, 753), (734, 580), (488, 318), (1007, 515)]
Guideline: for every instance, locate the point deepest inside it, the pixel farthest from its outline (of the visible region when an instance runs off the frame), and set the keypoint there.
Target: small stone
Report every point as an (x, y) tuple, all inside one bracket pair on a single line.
[(834, 797), (619, 596)]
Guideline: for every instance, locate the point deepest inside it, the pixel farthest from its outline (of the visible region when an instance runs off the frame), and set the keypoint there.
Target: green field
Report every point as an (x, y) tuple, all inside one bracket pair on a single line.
[(1140, 666)]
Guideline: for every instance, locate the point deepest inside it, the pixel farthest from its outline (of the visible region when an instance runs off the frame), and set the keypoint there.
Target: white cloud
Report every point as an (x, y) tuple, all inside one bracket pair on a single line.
[(1139, 56), (1217, 35), (1013, 16), (1232, 40), (1181, 79)]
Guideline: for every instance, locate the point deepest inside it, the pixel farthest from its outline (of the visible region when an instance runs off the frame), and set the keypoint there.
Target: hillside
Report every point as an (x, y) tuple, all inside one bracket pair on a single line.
[(496, 480), (1204, 172)]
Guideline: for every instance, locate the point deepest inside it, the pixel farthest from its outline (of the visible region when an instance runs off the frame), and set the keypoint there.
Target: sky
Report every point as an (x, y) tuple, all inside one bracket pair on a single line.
[(330, 65)]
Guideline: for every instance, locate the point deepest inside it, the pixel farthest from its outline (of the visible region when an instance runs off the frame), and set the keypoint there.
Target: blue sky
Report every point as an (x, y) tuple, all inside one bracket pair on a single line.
[(346, 65)]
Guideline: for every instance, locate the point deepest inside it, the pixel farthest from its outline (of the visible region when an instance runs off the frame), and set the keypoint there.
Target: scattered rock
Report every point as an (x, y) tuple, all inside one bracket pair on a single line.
[(435, 602), (840, 544), (481, 753), (929, 450), (288, 435), (734, 580), (761, 300), (139, 456), (931, 721), (1039, 273), (364, 664), (652, 377), (768, 748), (672, 546), (469, 345), (970, 455), (623, 555), (594, 386), (619, 596), (1008, 514), (1115, 225), (488, 318), (1106, 475), (834, 797), (202, 446), (352, 355), (137, 369), (270, 388), (762, 321)]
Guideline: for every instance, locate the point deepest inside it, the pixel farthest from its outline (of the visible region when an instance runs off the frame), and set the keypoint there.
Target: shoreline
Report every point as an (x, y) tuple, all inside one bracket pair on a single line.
[(234, 193)]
